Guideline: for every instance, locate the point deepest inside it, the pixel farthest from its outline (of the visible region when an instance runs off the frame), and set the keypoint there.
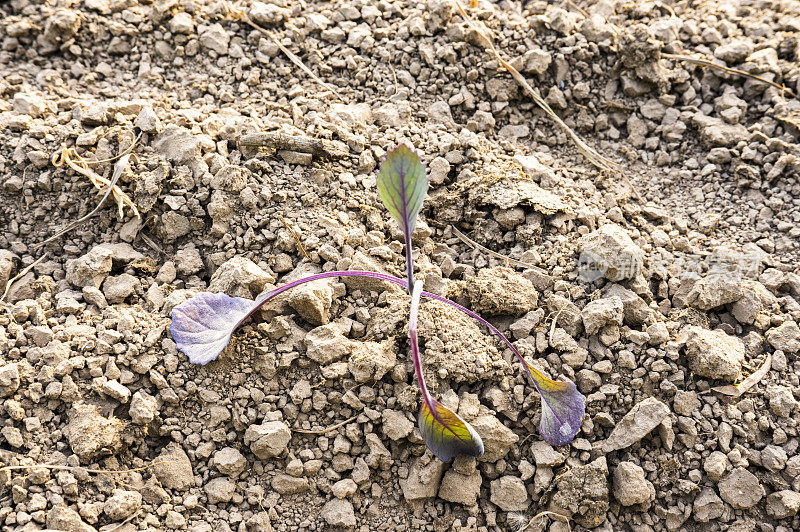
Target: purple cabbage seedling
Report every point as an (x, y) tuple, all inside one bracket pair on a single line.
[(202, 326)]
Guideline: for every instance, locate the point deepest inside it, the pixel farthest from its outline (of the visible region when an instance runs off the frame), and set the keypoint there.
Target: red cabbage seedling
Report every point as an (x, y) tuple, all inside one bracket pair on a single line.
[(402, 185), (202, 326)]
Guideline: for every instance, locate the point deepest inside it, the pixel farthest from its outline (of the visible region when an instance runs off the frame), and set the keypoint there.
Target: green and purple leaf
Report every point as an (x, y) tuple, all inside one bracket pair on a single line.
[(562, 407), (402, 185), (202, 327), (445, 433)]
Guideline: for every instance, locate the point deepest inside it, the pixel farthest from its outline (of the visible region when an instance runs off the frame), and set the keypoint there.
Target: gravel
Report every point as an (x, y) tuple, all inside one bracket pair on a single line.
[(339, 513), (460, 488), (174, 469), (630, 486), (650, 288), (636, 424), (508, 492), (268, 439), (91, 434), (741, 489), (714, 354), (611, 253)]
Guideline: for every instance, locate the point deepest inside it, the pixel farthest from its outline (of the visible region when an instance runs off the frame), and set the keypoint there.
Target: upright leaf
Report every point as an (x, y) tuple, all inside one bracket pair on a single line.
[(402, 185)]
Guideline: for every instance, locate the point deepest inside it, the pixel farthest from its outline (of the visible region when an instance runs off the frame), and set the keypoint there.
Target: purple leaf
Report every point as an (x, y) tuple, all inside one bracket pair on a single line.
[(562, 410), (202, 326)]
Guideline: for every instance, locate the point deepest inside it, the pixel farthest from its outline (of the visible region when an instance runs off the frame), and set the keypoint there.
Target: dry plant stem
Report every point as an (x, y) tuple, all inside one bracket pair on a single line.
[(77, 468), (552, 515), (296, 237), (65, 156), (553, 325), (274, 141), (590, 153), (293, 58), (577, 8), (126, 521), (149, 242), (329, 429), (667, 8), (118, 169), (754, 378), (96, 471), (788, 120), (736, 71), (127, 150), (467, 240), (19, 276)]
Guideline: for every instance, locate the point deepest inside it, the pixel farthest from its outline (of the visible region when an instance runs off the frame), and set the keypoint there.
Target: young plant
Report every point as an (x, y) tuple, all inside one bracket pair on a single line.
[(202, 326), (402, 185)]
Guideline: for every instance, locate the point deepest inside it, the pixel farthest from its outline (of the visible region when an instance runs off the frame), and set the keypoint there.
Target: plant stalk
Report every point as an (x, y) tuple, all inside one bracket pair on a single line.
[(412, 334)]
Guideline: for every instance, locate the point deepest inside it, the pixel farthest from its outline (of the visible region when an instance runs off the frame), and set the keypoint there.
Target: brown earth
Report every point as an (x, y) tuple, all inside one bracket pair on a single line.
[(654, 287)]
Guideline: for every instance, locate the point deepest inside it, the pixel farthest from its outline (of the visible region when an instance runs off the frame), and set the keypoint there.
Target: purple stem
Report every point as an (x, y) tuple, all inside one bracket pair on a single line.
[(491, 327), (407, 233)]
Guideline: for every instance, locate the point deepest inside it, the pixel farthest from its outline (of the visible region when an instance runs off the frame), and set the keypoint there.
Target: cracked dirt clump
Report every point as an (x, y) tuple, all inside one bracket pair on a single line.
[(582, 493), (455, 348), (497, 291)]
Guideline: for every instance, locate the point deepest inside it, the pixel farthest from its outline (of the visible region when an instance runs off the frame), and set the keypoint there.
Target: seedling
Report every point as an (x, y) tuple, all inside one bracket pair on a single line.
[(202, 326)]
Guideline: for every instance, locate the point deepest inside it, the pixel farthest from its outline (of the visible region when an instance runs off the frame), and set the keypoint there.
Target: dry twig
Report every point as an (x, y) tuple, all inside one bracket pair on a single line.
[(296, 237), (275, 141), (79, 468), (79, 164), (95, 471), (130, 518), (754, 378), (736, 71), (329, 429), (552, 515), (292, 57), (19, 276), (467, 240), (590, 153), (554, 323)]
